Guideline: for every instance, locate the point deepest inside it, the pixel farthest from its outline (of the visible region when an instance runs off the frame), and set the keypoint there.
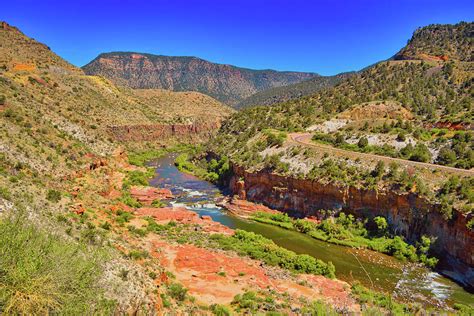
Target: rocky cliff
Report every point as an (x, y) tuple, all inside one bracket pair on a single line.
[(410, 215), (154, 132), (226, 83)]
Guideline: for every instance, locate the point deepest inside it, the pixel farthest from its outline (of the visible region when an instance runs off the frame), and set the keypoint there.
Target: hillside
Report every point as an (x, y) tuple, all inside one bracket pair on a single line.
[(226, 83), (81, 233), (292, 91), (414, 97), (441, 42), (56, 139)]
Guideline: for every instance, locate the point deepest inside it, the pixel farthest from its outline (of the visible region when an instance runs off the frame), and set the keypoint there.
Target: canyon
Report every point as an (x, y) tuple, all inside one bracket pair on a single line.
[(410, 215)]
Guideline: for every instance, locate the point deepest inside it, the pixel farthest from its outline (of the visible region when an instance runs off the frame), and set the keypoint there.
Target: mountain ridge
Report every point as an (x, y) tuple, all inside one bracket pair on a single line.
[(226, 83)]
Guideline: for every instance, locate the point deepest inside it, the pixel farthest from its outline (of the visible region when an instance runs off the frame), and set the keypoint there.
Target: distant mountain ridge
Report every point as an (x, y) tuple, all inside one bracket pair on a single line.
[(226, 83), (293, 91)]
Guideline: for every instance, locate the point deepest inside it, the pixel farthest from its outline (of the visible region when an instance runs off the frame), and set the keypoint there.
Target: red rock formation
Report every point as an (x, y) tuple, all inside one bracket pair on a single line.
[(153, 132), (243, 208), (146, 195), (410, 215), (451, 126)]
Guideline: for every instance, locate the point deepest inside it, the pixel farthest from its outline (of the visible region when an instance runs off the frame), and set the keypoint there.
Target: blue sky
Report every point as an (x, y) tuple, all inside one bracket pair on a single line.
[(326, 37)]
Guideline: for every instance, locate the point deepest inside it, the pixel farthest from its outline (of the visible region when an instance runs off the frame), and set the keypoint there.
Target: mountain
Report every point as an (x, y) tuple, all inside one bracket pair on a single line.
[(431, 92), (440, 41), (39, 91), (226, 83), (292, 91)]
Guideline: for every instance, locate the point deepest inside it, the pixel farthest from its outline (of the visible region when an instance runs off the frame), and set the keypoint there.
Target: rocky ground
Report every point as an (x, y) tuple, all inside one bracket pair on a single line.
[(210, 276)]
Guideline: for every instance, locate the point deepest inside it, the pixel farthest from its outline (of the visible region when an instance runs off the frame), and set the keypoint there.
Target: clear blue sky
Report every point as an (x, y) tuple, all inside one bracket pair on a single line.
[(327, 37)]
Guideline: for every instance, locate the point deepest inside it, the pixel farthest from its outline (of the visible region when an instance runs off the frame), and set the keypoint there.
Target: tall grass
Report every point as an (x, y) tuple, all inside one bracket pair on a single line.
[(42, 274)]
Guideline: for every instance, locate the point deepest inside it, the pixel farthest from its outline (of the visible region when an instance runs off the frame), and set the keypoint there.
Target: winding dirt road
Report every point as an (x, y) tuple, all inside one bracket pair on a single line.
[(305, 139)]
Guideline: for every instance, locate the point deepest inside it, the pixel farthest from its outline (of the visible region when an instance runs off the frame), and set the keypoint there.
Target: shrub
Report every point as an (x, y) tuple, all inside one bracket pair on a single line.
[(139, 159), (123, 217), (420, 153), (401, 137), (42, 274), (128, 200), (363, 142), (379, 170), (53, 196), (5, 193), (446, 156), (177, 291), (220, 310), (381, 224)]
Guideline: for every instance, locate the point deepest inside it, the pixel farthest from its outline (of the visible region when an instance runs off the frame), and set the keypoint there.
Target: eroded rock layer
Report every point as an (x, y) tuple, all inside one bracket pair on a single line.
[(409, 214)]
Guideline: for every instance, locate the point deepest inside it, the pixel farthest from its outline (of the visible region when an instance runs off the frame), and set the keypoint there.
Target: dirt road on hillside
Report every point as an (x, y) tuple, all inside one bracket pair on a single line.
[(305, 140)]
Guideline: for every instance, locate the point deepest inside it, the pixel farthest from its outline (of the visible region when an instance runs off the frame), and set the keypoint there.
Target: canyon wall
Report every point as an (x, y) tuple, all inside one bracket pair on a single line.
[(409, 214), (127, 133)]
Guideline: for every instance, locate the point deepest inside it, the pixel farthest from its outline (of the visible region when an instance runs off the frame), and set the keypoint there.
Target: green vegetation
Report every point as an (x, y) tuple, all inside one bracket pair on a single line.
[(273, 303), (367, 297), (139, 158), (274, 138), (138, 177), (53, 196), (213, 170), (348, 231), (42, 274), (419, 152), (246, 244), (258, 247), (177, 291), (128, 200), (123, 217)]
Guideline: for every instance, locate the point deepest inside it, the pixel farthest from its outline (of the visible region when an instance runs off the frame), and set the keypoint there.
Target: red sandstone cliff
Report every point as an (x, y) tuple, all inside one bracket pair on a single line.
[(410, 215), (155, 132)]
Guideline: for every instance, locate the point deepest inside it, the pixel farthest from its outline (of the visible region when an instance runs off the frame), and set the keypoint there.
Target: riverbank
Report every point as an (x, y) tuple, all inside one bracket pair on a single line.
[(387, 274)]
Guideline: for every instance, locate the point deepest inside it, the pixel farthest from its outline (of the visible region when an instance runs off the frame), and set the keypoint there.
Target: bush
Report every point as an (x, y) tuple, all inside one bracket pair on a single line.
[(363, 142), (220, 310), (177, 291), (138, 177), (381, 224), (42, 274), (139, 159), (421, 153), (446, 156), (53, 196), (5, 193)]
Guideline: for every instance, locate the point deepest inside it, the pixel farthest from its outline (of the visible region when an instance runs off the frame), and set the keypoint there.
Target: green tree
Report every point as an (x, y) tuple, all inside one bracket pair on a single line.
[(363, 142), (381, 224), (379, 170), (446, 156)]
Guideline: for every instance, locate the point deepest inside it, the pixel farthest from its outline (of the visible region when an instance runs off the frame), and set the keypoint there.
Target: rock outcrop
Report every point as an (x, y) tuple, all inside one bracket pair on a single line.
[(155, 132), (410, 215)]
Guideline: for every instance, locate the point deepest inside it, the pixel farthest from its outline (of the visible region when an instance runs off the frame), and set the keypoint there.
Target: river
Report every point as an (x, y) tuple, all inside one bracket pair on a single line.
[(406, 281)]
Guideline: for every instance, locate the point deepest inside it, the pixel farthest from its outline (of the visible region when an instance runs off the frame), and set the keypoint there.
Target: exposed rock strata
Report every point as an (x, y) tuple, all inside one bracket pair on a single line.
[(410, 215), (155, 132)]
